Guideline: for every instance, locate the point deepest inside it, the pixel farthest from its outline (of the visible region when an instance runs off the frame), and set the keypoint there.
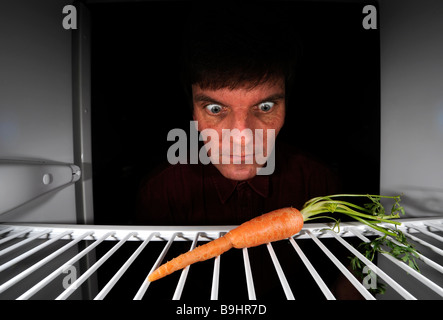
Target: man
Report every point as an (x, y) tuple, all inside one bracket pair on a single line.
[(237, 71)]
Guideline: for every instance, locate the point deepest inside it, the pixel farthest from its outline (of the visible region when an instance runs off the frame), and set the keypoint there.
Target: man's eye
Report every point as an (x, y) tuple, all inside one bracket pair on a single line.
[(214, 108), (266, 106)]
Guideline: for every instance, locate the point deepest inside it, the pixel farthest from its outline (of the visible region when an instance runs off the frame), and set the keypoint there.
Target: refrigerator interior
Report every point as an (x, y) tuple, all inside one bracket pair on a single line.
[(77, 127)]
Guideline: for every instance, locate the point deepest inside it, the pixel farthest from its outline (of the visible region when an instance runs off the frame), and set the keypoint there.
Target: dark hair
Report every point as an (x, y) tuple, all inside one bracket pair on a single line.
[(232, 45)]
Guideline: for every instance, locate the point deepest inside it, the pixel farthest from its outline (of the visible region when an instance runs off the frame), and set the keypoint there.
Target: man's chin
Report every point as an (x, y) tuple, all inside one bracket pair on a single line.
[(238, 172)]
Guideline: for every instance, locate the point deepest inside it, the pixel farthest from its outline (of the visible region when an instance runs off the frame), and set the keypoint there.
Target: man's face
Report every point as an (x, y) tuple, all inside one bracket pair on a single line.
[(262, 107)]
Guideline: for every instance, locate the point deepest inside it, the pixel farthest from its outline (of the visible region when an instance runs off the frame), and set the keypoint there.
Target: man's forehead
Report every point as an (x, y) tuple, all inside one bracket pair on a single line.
[(260, 91)]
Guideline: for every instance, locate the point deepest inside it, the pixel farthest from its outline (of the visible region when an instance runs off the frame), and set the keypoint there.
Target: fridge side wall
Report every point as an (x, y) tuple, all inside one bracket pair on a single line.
[(36, 99), (412, 103), (412, 116)]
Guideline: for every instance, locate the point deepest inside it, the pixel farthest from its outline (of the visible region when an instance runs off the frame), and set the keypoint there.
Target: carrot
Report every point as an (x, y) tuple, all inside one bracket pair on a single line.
[(286, 222), (272, 226)]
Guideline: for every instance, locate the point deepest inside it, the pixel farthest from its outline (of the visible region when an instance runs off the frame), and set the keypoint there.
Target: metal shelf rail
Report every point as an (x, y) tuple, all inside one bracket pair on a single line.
[(29, 246)]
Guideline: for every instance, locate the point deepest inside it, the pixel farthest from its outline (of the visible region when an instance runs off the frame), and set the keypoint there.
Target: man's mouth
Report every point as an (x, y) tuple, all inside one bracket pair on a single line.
[(243, 158)]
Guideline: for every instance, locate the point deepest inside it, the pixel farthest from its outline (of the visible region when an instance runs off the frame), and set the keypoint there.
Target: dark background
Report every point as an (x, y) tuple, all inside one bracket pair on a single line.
[(334, 111)]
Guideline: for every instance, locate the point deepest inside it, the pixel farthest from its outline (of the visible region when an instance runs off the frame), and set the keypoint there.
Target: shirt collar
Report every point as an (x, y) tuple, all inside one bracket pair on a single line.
[(226, 187)]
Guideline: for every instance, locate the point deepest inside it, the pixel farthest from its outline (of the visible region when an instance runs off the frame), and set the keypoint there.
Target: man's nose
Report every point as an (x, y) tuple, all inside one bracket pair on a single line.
[(242, 121), (242, 129)]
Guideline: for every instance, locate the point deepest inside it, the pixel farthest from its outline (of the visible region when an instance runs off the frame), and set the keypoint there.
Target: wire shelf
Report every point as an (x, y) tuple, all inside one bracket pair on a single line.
[(48, 261)]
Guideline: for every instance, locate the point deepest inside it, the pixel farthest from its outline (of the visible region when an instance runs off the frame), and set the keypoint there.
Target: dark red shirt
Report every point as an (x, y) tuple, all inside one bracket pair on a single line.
[(197, 194)]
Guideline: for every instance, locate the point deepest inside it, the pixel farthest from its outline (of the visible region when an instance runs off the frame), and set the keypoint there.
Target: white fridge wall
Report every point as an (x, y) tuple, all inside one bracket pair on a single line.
[(36, 98), (411, 36), (411, 45)]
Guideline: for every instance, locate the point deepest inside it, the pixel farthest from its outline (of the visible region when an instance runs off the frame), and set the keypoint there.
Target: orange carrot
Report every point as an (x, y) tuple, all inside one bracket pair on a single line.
[(272, 226), (284, 223)]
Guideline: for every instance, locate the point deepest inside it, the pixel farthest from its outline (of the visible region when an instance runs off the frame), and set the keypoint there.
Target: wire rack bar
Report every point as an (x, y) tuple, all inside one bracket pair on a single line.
[(29, 253), (216, 275), (141, 291), (434, 225), (404, 293), (18, 234), (42, 262), (281, 274), (68, 291), (321, 284), (410, 271), (184, 274), (248, 273), (63, 268), (428, 233), (422, 257), (364, 292), (25, 241), (6, 230), (189, 231), (111, 283), (431, 263), (425, 243)]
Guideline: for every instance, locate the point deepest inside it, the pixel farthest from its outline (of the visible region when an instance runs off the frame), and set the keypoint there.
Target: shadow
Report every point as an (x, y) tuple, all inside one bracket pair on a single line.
[(420, 201)]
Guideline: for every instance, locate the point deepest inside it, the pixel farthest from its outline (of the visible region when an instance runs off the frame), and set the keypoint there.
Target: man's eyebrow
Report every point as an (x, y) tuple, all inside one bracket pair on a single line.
[(200, 97), (275, 96)]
